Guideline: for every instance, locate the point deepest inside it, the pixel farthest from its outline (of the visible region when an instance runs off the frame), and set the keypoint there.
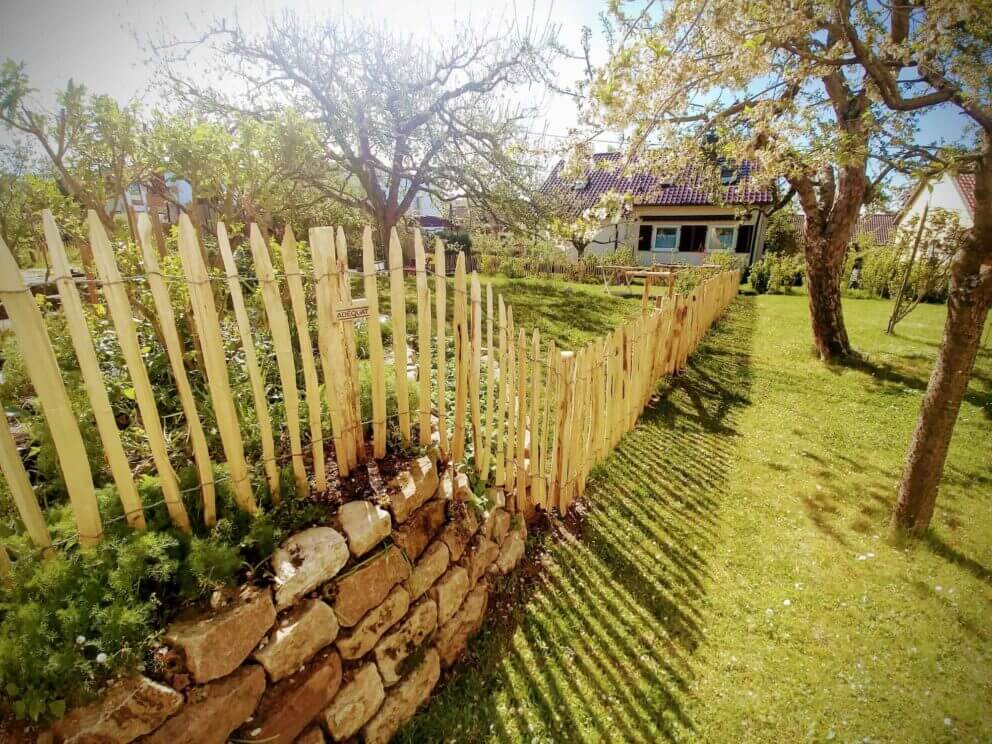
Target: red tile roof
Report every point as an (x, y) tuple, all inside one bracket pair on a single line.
[(879, 226), (646, 189), (966, 185)]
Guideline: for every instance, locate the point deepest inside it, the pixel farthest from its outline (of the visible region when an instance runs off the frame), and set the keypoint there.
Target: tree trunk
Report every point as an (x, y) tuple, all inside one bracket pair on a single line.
[(384, 224), (968, 304), (824, 261)]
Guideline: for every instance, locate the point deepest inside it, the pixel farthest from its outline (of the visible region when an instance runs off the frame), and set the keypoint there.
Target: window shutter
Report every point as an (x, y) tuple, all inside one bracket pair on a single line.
[(744, 233), (644, 238)]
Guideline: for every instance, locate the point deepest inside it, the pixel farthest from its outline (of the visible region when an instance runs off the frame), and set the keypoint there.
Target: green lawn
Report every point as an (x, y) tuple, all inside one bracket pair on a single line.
[(731, 579)]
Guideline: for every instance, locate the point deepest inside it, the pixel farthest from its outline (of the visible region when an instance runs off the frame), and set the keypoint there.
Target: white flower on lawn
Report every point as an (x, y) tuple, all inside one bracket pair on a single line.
[(101, 658), (80, 640), (787, 602)]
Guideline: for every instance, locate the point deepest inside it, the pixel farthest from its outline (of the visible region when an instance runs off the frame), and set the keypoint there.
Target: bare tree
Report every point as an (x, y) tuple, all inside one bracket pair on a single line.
[(396, 116)]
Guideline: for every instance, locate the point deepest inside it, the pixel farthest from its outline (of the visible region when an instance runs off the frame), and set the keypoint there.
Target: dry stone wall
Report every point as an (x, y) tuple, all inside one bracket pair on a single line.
[(350, 641)]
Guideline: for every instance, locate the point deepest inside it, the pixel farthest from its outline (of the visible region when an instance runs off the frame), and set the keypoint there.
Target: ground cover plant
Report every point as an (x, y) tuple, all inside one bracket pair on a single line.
[(731, 579)]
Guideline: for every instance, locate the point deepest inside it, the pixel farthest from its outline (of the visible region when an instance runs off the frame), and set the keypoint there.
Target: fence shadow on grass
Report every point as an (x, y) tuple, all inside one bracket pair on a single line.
[(597, 639)]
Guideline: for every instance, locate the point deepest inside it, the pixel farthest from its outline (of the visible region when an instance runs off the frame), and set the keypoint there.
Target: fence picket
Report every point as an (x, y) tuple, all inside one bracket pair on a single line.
[(397, 302), (498, 431), (440, 290), (376, 363), (127, 337), (82, 343), (208, 328), (461, 372), (423, 340), (282, 344), (174, 351), (311, 386), (511, 401), (351, 350), (331, 343), (475, 374), (20, 489), (521, 478), (534, 476), (251, 361), (487, 421)]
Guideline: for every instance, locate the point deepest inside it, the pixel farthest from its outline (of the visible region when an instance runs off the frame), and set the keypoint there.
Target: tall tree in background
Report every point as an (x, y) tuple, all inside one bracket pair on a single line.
[(395, 115), (719, 82), (917, 57)]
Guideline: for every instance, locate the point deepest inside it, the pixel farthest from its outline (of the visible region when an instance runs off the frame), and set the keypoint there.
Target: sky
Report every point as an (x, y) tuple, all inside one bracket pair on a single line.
[(99, 42)]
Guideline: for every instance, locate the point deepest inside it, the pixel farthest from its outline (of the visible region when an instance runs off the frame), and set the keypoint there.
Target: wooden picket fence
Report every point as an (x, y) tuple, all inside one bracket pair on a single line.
[(530, 418)]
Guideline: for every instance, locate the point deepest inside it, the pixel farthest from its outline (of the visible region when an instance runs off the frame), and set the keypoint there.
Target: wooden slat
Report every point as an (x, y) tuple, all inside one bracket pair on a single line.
[(127, 336), (376, 363), (511, 405), (208, 327), (423, 340), (523, 494), (534, 427), (461, 373), (487, 422), (20, 489), (475, 372), (498, 427), (331, 345), (251, 362), (397, 301), (548, 423), (351, 349), (297, 298), (440, 290), (174, 350), (565, 369), (282, 344), (72, 308)]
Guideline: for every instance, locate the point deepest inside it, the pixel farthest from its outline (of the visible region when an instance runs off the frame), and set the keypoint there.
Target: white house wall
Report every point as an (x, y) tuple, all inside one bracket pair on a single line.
[(945, 195)]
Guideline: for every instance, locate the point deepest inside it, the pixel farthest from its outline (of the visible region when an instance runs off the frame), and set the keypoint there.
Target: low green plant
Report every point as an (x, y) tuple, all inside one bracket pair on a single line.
[(776, 273)]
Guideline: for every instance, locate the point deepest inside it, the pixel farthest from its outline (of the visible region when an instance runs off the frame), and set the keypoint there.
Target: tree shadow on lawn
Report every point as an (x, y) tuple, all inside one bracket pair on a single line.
[(591, 639)]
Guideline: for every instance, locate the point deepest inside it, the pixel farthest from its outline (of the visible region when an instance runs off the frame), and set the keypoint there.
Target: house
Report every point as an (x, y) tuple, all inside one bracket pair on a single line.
[(670, 220), (954, 192), (878, 227)]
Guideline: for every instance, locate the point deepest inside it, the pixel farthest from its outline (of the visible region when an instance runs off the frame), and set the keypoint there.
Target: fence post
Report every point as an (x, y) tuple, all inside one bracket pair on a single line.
[(283, 346), (127, 337), (397, 301), (174, 350), (251, 361), (208, 327), (297, 300), (423, 339), (353, 398), (440, 290), (21, 491), (106, 423)]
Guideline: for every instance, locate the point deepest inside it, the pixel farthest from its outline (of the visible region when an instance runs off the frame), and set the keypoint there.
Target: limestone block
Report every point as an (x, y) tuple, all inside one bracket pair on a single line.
[(501, 525), (510, 553), (420, 528), (130, 707), (217, 642), (305, 561), (452, 637), (296, 638), (479, 555), (404, 640), (403, 700), (449, 591), (432, 564), (359, 699), (291, 705), (412, 488), (365, 525), (355, 643), (459, 529), (368, 585), (214, 710)]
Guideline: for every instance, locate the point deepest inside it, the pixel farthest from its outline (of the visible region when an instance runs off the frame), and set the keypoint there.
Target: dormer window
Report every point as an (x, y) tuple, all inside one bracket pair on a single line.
[(728, 175), (580, 183)]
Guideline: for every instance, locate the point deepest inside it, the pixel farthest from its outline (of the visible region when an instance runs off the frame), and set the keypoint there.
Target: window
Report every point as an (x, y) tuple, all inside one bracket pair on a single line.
[(728, 175), (665, 238), (723, 238)]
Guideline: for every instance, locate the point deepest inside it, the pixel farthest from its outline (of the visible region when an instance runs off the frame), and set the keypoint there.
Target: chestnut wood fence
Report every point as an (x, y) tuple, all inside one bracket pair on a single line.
[(533, 418)]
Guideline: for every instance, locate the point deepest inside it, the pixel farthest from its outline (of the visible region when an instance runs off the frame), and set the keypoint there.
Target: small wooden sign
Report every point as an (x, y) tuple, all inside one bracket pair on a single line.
[(356, 310)]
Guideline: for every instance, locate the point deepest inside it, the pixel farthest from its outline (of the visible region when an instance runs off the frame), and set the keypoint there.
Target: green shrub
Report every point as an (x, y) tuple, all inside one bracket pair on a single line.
[(776, 273)]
